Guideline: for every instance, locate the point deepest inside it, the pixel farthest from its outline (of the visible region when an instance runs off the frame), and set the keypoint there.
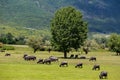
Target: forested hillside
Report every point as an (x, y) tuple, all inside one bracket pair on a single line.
[(101, 15)]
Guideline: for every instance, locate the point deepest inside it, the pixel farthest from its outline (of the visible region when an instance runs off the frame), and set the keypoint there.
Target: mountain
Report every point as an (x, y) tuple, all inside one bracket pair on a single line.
[(102, 15)]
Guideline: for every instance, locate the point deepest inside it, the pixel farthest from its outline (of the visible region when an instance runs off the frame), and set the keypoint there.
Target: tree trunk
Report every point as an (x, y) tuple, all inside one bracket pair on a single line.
[(35, 50), (65, 54), (118, 54)]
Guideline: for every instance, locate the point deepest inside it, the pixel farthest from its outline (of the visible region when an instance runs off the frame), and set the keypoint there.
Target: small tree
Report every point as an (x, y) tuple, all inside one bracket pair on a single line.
[(35, 43), (91, 45), (114, 43), (68, 29)]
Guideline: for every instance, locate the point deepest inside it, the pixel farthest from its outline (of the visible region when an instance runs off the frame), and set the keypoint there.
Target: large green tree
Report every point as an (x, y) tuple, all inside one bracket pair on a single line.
[(68, 29), (114, 43)]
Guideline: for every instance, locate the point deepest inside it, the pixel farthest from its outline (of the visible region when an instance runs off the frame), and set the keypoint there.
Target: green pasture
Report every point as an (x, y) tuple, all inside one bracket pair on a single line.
[(14, 67)]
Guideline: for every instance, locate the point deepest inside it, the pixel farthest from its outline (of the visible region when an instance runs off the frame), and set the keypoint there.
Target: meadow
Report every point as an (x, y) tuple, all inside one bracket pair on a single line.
[(14, 67)]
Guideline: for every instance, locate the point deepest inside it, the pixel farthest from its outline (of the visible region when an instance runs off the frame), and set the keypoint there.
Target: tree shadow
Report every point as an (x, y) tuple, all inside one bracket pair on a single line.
[(115, 55)]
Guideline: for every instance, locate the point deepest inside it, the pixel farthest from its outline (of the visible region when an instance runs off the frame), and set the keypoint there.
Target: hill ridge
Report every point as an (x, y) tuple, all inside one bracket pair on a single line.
[(101, 15)]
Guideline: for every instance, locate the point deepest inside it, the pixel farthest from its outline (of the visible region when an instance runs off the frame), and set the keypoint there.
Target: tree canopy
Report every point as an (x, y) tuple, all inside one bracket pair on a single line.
[(114, 43), (35, 43), (68, 29)]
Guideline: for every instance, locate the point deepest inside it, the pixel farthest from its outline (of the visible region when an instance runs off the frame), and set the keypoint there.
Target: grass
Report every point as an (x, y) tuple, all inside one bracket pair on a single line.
[(15, 68)]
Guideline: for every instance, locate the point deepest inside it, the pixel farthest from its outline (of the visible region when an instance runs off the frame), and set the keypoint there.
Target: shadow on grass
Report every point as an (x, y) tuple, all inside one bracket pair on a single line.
[(71, 58), (115, 55)]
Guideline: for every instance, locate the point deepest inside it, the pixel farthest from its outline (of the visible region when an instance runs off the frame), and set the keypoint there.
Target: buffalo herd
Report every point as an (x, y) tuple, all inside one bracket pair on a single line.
[(51, 59)]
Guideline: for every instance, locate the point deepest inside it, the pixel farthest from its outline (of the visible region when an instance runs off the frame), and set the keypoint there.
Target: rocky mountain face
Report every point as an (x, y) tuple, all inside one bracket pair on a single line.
[(101, 15)]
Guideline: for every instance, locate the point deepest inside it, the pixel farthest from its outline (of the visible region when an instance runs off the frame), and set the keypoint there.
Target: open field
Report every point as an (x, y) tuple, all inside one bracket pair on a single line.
[(14, 67)]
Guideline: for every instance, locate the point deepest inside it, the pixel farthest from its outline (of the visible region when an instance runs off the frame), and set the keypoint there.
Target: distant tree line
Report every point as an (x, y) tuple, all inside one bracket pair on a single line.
[(41, 43), (10, 39), (111, 43)]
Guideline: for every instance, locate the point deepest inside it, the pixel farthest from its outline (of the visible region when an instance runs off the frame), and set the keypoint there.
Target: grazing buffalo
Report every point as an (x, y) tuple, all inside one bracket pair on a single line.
[(46, 61), (82, 57), (96, 66), (7, 54), (72, 56), (80, 65), (53, 58), (64, 63), (76, 56), (103, 74), (28, 58), (24, 55), (92, 59), (40, 61)]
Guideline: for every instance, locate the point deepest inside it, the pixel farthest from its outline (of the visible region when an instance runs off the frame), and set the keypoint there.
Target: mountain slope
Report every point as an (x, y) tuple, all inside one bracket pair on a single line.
[(23, 31), (101, 15)]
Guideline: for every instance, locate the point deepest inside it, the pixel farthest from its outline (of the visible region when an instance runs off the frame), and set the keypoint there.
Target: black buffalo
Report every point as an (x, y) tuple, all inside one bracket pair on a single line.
[(96, 67), (72, 56), (47, 61), (64, 63), (24, 55), (103, 74), (40, 61), (53, 58), (7, 54), (82, 57), (76, 56), (28, 58), (80, 65), (92, 59)]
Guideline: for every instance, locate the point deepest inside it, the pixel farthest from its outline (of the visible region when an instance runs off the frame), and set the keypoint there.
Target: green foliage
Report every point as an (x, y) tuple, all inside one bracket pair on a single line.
[(10, 39), (18, 35), (7, 38), (20, 40), (97, 41), (35, 43), (102, 42), (68, 29), (114, 43), (92, 45)]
